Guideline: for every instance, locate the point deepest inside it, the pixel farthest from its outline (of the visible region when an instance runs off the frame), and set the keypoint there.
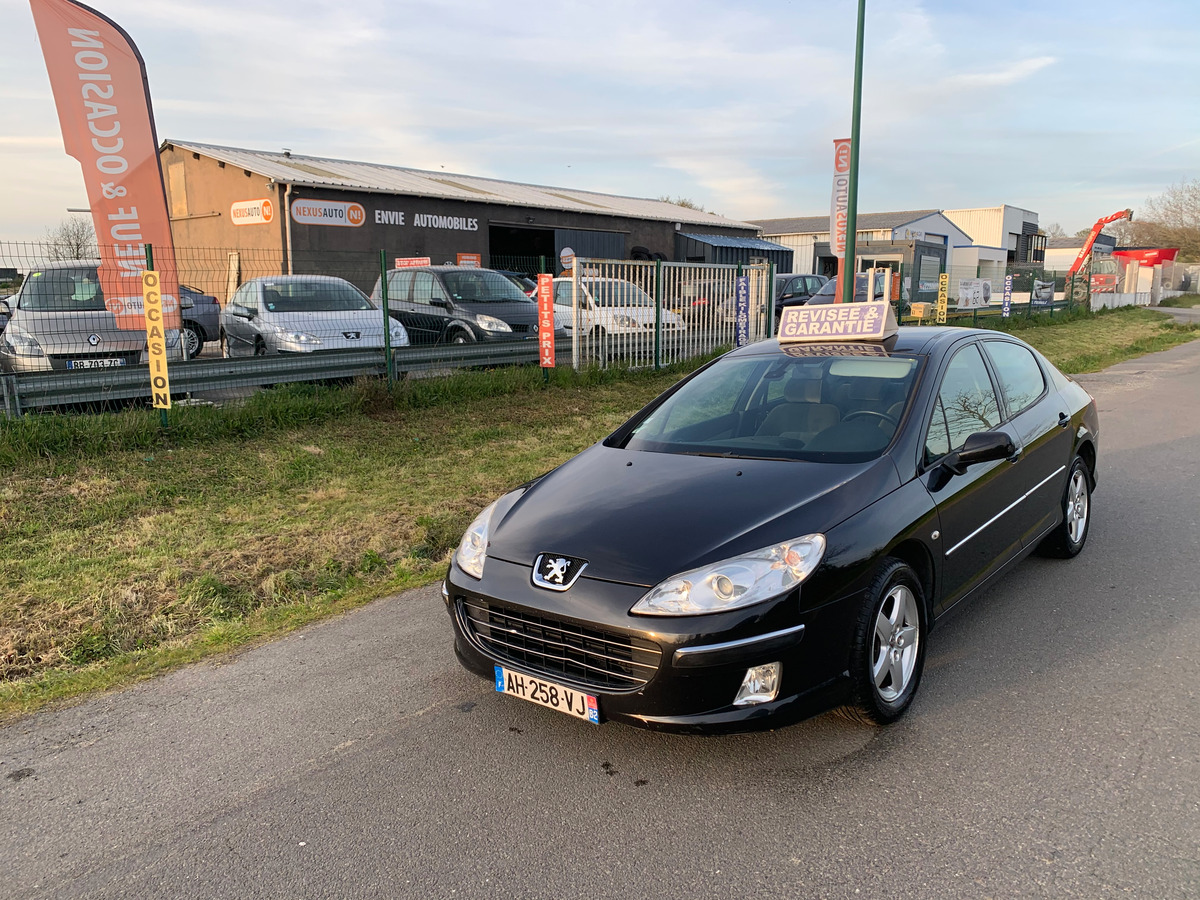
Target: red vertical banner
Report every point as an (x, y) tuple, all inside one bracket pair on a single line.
[(103, 100), (545, 295)]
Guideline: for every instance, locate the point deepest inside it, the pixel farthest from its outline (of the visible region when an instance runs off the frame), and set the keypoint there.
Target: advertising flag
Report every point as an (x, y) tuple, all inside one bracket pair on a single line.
[(839, 202), (103, 100)]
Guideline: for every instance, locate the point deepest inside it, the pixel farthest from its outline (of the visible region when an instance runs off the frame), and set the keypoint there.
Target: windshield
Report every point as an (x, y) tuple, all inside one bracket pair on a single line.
[(617, 293), (312, 296), (482, 286), (829, 288), (63, 290), (814, 408)]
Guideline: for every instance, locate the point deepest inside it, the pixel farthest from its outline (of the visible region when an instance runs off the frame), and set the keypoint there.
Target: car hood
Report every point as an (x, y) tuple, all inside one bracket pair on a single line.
[(94, 331), (329, 324), (639, 517)]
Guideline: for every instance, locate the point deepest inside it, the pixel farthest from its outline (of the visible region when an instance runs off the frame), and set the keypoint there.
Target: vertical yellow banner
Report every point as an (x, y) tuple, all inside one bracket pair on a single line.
[(943, 297), (156, 340)]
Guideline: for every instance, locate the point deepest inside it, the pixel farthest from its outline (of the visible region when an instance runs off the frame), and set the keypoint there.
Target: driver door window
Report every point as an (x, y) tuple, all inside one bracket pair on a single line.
[(966, 403)]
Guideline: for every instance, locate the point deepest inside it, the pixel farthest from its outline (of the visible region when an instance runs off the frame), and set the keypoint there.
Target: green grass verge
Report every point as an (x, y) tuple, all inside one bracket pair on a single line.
[(1183, 301), (129, 550)]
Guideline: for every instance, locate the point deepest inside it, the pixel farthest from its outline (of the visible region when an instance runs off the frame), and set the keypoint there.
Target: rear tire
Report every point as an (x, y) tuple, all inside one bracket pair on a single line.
[(888, 654), (1069, 536), (193, 340)]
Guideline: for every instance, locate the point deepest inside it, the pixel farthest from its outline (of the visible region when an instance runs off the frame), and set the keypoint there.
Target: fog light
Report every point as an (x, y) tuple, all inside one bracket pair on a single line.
[(761, 685)]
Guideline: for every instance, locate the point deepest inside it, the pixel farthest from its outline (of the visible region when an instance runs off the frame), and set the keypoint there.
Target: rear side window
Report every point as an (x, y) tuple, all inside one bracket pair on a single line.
[(1021, 377), (966, 403)]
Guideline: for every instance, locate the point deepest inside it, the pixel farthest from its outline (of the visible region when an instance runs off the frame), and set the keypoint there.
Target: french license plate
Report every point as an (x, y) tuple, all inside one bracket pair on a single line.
[(547, 693), (95, 363)]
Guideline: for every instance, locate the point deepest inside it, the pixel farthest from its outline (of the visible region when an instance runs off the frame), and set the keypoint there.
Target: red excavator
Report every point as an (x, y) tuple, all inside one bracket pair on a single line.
[(1082, 264)]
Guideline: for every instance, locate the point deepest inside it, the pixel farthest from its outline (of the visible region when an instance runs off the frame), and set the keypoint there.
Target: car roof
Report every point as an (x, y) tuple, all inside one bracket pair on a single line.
[(276, 279), (65, 264), (920, 340)]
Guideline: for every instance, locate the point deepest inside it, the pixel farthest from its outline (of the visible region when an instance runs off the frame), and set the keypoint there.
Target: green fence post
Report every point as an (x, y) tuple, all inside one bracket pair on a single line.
[(771, 300), (542, 265), (162, 413), (658, 300), (388, 363)]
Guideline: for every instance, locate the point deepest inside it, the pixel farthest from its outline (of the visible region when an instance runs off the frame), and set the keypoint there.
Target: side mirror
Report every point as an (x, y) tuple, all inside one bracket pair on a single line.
[(982, 446), (242, 312), (185, 301), (5, 309)]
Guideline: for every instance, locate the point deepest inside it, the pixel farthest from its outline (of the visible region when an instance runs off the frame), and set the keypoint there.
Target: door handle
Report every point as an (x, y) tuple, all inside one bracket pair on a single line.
[(1063, 420)]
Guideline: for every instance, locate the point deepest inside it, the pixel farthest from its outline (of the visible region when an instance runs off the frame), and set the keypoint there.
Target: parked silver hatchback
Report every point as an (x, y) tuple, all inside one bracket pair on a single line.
[(303, 314), (59, 321)]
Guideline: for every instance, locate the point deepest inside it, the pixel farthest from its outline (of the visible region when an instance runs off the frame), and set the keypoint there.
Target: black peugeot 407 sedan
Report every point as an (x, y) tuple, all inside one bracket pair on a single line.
[(778, 533)]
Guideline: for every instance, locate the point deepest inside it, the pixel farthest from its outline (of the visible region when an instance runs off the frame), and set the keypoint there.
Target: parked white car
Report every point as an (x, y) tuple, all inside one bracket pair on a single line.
[(610, 306)]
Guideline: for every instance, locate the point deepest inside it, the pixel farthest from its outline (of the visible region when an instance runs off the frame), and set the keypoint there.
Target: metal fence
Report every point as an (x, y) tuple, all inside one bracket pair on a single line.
[(73, 333)]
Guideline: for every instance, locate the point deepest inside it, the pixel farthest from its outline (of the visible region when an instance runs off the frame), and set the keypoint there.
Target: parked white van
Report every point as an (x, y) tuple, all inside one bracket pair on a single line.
[(610, 306)]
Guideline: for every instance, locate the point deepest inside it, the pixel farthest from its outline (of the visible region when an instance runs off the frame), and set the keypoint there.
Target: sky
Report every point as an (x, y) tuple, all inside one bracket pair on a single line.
[(1070, 109)]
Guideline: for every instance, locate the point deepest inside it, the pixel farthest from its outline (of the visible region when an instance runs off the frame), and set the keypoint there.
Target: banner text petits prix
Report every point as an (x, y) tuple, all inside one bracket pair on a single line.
[(125, 230)]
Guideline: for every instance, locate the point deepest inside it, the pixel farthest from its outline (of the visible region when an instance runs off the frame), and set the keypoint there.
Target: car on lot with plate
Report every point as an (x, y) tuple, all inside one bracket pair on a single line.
[(302, 314), (60, 320), (778, 533), (458, 305)]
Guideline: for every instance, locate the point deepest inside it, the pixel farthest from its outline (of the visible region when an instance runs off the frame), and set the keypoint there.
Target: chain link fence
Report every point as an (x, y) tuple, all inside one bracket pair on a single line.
[(73, 333)]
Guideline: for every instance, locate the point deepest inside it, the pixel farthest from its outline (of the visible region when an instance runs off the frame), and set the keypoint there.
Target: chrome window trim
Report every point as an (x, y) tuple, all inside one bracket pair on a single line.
[(1007, 509)]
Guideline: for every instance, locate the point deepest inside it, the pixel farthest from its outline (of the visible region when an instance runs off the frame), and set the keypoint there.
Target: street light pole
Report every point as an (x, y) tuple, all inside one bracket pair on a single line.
[(850, 265)]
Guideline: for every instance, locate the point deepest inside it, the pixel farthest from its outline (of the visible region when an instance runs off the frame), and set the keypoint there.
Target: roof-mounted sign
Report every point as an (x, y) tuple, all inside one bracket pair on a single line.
[(837, 322)]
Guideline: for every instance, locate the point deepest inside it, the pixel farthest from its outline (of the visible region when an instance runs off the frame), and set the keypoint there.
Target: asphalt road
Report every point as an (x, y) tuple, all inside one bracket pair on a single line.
[(1054, 750)]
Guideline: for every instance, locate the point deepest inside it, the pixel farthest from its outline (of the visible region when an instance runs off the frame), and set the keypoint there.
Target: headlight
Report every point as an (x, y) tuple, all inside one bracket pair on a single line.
[(491, 323), (472, 549), (399, 336), (626, 321), (296, 337), (18, 343), (172, 338), (737, 582)]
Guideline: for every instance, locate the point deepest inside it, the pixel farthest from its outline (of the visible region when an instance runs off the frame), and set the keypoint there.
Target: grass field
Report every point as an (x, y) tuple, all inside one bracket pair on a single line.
[(1184, 301), (129, 550)]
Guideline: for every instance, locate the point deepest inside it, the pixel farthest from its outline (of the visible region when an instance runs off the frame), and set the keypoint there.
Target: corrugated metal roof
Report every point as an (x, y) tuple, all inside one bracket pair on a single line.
[(320, 172), (724, 240), (864, 222)]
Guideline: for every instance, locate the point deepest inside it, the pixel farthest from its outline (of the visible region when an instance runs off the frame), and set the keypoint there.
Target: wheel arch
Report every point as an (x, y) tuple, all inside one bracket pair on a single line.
[(914, 554), (1087, 452)]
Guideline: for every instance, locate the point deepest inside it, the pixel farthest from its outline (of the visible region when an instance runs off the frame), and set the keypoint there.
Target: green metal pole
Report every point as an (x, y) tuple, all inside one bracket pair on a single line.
[(389, 363), (771, 300), (657, 314), (162, 413), (852, 198)]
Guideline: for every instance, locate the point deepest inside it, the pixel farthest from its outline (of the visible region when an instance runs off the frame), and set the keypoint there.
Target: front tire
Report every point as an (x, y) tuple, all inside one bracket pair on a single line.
[(1068, 538), (888, 654)]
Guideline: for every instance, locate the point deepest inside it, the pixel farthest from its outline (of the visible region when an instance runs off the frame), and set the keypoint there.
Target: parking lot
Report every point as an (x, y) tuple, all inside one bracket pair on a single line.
[(1054, 750)]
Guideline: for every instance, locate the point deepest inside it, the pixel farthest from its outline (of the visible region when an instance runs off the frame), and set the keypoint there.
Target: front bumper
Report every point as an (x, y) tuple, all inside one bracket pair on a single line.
[(681, 675)]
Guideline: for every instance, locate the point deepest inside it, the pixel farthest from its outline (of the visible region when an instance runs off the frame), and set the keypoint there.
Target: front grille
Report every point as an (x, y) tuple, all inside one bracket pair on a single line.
[(522, 329), (560, 650)]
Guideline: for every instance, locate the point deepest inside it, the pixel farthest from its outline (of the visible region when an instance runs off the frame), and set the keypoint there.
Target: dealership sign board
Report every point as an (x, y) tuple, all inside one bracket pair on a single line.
[(252, 212), (843, 322), (328, 212), (839, 203), (103, 101), (411, 262)]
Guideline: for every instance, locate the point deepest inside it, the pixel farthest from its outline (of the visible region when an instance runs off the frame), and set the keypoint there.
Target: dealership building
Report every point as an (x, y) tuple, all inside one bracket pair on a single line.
[(238, 213)]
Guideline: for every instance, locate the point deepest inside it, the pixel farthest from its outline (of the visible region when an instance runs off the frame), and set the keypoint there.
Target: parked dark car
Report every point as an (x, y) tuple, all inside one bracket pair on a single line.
[(828, 291), (458, 305), (778, 533), (794, 290), (201, 319), (526, 283)]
